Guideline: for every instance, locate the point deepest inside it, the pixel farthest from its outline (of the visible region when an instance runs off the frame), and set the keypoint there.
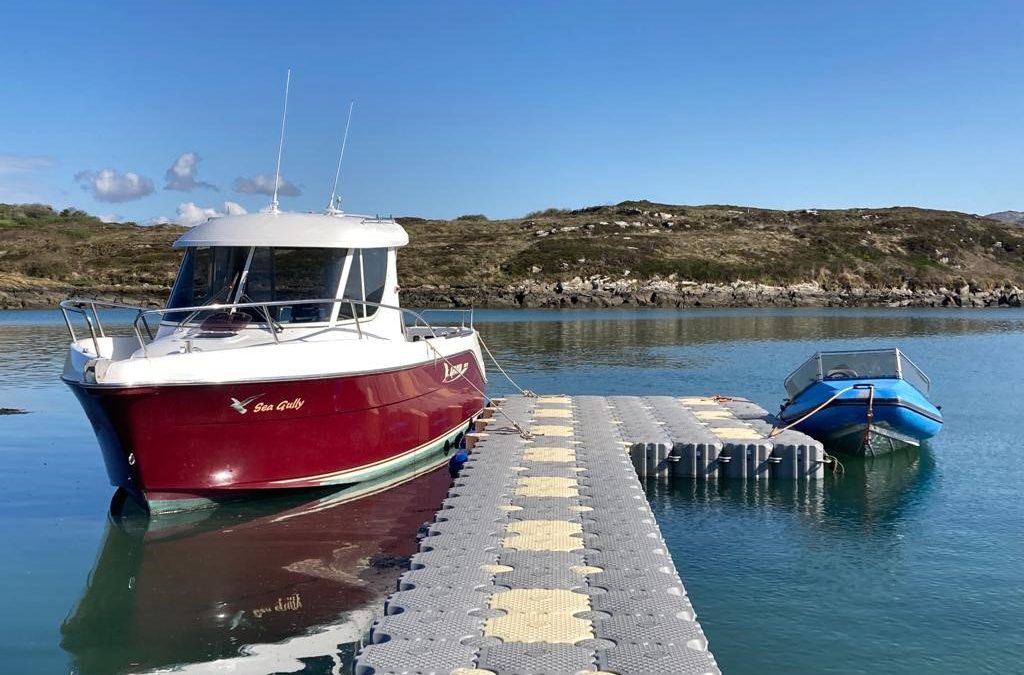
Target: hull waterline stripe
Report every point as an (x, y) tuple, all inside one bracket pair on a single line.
[(339, 474)]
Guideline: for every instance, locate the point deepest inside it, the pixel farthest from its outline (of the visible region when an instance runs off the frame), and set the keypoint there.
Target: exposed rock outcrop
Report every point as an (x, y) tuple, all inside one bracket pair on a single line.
[(603, 292)]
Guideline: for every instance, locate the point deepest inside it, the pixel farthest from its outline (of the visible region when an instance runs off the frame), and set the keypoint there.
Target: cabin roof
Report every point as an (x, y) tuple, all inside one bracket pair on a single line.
[(298, 230)]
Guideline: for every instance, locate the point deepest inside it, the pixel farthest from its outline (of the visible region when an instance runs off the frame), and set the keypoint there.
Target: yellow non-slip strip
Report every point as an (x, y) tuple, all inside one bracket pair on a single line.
[(540, 615), (549, 455), (562, 413), (713, 414), (542, 535), (735, 432), (547, 486), (564, 400)]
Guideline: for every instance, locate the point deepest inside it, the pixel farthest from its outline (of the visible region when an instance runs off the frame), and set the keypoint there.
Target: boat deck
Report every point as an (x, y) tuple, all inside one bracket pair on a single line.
[(546, 557)]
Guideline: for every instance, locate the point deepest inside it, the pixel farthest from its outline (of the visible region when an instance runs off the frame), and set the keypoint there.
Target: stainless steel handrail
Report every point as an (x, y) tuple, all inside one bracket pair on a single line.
[(85, 307), (461, 311), (96, 330)]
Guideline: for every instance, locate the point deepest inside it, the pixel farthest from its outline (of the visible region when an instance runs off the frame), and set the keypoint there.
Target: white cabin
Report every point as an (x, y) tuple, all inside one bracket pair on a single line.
[(271, 295), (287, 260)]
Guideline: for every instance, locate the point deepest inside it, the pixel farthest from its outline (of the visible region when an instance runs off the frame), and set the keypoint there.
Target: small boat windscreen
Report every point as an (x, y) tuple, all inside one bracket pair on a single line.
[(857, 365)]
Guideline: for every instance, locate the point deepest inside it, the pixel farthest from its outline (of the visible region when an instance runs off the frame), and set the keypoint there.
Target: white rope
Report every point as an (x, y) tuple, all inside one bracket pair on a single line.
[(776, 430), (524, 392), (837, 466), (518, 427)]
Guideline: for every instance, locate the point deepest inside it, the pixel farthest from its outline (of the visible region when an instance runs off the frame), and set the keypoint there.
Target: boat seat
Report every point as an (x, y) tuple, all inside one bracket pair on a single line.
[(224, 323), (840, 373)]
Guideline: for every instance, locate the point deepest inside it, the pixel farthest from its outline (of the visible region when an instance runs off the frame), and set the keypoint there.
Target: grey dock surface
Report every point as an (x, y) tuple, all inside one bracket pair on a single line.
[(546, 558)]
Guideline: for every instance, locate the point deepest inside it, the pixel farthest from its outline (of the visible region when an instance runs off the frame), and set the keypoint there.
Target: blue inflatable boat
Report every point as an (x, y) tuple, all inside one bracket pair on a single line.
[(861, 402)]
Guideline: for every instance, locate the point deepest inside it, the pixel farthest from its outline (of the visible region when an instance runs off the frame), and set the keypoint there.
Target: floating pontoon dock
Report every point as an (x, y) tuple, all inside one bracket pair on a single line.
[(546, 558)]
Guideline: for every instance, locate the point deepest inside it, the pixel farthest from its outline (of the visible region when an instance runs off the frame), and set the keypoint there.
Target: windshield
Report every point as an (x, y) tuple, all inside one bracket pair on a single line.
[(228, 275), (866, 364), (207, 276), (278, 274)]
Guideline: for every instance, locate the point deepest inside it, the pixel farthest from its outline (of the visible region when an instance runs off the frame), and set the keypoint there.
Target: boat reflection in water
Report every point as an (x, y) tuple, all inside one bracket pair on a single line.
[(870, 494), (877, 491), (274, 585)]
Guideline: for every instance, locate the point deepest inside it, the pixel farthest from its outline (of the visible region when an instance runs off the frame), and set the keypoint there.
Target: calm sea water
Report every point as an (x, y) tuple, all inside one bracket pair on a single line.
[(904, 564)]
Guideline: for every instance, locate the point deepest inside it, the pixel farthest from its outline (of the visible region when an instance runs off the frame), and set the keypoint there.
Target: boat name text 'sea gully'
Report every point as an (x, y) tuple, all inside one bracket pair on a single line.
[(292, 603), (294, 404)]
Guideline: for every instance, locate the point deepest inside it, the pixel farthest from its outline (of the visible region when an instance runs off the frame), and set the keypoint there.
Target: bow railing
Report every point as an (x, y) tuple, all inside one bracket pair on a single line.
[(89, 311)]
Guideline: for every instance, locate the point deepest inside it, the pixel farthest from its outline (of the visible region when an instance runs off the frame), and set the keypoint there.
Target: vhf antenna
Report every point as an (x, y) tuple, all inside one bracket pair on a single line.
[(335, 201), (280, 145)]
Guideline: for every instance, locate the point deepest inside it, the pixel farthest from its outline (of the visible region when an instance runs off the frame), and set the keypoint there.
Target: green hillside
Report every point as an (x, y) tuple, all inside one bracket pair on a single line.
[(46, 255)]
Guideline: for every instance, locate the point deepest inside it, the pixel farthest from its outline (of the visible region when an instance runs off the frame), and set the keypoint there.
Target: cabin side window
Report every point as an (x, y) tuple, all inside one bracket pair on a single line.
[(365, 282), (281, 274), (375, 273)]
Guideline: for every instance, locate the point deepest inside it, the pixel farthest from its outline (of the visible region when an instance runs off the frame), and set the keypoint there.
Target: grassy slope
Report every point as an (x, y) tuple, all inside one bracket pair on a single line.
[(41, 249), (874, 247)]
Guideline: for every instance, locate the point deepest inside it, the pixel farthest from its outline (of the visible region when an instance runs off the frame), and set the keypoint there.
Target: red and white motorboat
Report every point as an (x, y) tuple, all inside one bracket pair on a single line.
[(282, 360)]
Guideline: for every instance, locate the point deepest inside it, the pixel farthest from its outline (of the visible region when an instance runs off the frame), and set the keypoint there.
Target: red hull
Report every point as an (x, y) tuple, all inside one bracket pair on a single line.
[(211, 441)]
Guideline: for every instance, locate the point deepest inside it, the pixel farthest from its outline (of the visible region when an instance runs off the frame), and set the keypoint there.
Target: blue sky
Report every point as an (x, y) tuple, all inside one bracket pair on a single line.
[(504, 108)]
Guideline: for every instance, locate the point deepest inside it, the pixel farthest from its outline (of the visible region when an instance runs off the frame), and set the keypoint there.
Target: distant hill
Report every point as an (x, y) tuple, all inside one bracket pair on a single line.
[(1010, 217), (46, 255)]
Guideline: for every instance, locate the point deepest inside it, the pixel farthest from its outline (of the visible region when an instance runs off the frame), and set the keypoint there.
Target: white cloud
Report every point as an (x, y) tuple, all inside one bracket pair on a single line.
[(108, 185), (182, 174), (111, 218), (262, 184), (190, 213)]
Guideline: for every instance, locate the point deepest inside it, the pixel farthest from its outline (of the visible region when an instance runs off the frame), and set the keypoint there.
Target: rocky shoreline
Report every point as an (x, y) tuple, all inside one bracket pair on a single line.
[(603, 292), (600, 292), (39, 294)]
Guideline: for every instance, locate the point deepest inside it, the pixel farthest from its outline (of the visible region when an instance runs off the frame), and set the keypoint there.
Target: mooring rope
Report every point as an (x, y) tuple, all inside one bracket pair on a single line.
[(866, 441), (524, 433), (524, 392), (778, 430), (837, 466)]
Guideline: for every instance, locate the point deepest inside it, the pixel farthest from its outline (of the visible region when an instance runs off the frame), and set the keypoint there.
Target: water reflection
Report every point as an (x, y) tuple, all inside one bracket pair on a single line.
[(35, 342), (634, 338), (870, 493), (34, 355), (270, 586), (873, 492)]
